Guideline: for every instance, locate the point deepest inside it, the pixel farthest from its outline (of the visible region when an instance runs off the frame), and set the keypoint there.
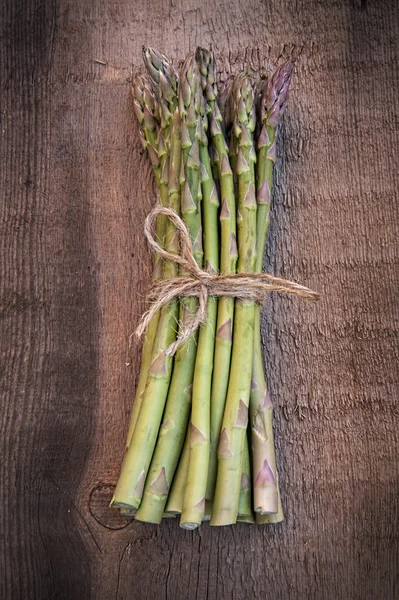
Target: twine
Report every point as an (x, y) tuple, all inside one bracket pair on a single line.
[(201, 284)]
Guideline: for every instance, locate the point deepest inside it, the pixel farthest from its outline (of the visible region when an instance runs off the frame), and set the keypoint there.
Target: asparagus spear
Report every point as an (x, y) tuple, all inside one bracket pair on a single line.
[(245, 498), (223, 354), (165, 84), (129, 490), (175, 499), (206, 68), (272, 106), (235, 418), (146, 108), (263, 519), (273, 100), (154, 106), (189, 97), (189, 100), (194, 498), (228, 259)]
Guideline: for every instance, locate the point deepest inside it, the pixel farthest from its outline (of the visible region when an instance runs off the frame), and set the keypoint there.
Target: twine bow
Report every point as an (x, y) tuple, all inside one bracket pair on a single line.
[(200, 283)]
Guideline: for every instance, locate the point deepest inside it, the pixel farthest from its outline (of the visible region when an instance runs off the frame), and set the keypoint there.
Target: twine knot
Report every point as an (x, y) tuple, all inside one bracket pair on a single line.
[(201, 283)]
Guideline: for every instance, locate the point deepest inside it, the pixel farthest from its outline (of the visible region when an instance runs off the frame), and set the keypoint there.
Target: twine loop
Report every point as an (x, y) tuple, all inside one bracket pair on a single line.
[(204, 283)]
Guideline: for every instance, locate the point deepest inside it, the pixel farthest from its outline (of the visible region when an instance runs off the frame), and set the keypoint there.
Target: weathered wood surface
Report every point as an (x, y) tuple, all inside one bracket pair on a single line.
[(75, 187)]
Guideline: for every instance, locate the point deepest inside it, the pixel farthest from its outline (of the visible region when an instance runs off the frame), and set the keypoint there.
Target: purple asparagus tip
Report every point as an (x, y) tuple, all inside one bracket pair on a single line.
[(275, 95)]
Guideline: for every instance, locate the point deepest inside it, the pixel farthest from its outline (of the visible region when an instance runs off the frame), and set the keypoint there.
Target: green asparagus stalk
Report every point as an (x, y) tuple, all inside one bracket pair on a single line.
[(264, 519), (154, 106), (206, 67), (165, 82), (266, 491), (244, 510), (130, 487), (194, 498), (129, 512), (272, 106), (146, 108), (189, 97), (174, 503), (245, 498), (235, 418), (228, 259), (189, 102)]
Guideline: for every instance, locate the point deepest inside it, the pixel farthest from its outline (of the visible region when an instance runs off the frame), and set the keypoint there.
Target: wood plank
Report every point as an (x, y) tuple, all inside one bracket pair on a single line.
[(75, 189)]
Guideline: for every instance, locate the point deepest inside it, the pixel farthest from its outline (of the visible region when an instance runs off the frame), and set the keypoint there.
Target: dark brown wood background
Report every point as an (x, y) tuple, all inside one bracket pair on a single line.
[(75, 188)]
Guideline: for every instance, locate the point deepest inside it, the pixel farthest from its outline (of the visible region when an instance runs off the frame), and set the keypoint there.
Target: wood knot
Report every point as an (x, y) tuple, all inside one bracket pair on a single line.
[(99, 499)]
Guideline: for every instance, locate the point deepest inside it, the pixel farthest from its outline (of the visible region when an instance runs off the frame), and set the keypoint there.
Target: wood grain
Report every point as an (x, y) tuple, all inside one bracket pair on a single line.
[(75, 188)]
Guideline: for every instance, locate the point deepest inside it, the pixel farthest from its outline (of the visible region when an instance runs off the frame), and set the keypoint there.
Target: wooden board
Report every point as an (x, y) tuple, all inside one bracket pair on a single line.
[(75, 189)]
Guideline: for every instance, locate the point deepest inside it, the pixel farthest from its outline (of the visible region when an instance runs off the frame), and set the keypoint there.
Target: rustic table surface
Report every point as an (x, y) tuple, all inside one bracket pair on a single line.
[(75, 188)]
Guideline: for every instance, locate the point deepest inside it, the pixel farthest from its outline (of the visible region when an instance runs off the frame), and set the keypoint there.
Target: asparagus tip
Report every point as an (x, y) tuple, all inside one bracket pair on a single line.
[(275, 94)]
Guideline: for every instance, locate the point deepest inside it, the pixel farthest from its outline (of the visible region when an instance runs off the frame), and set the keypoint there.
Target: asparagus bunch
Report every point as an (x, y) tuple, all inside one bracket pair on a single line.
[(200, 442)]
